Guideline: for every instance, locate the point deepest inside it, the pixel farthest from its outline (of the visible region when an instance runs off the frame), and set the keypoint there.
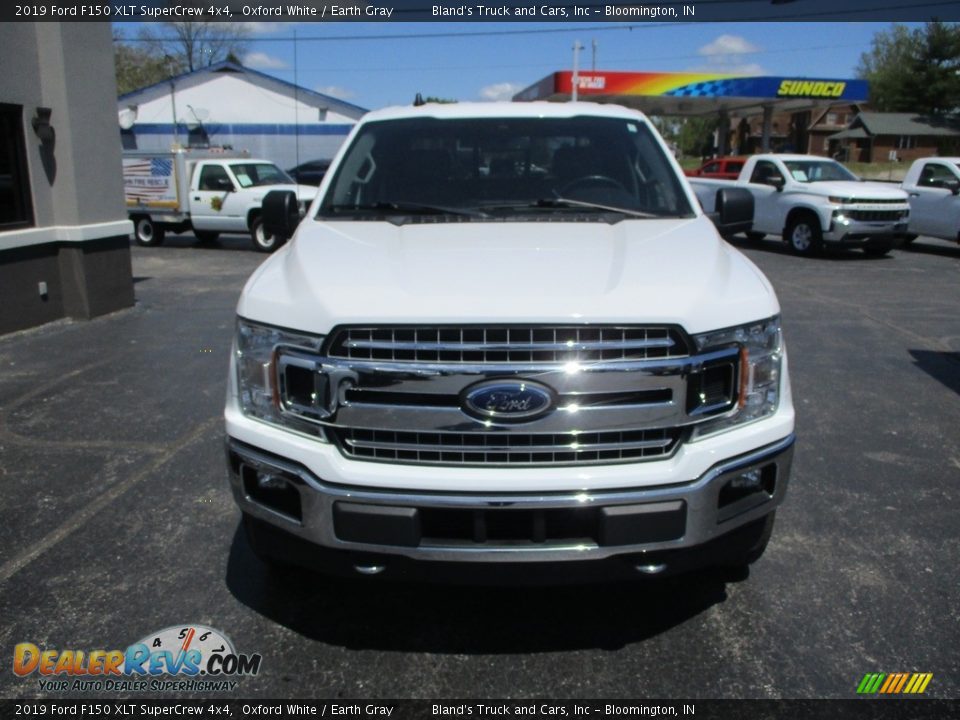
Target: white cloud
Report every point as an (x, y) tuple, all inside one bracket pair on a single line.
[(727, 45), (728, 54), (335, 91), (500, 91), (745, 69), (263, 61)]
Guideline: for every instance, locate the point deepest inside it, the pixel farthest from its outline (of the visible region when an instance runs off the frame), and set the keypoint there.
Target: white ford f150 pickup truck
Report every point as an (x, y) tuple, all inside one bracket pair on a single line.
[(207, 192), (812, 202), (933, 186), (506, 339)]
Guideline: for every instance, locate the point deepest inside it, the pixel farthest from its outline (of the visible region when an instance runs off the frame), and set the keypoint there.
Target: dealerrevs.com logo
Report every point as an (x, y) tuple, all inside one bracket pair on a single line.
[(176, 659)]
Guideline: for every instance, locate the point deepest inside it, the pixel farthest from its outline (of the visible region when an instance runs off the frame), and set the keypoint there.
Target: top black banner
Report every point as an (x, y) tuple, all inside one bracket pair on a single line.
[(558, 11)]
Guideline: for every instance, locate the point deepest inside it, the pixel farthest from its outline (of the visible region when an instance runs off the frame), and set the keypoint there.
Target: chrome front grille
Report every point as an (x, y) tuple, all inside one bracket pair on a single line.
[(429, 395), (507, 344), (877, 215), (476, 448)]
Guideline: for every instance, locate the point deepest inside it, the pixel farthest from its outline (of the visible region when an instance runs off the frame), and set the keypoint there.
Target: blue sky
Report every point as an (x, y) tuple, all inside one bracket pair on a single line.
[(379, 64)]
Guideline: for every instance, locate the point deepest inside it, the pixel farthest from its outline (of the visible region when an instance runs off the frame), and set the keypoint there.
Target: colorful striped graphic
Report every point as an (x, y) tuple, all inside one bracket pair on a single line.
[(894, 683), (611, 83)]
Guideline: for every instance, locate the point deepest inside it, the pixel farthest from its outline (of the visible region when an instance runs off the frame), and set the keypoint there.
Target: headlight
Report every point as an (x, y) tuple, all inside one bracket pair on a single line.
[(761, 353), (257, 349)]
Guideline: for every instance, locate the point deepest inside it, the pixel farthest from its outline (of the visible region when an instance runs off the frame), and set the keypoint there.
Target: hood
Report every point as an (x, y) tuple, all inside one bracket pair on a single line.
[(857, 190), (635, 271)]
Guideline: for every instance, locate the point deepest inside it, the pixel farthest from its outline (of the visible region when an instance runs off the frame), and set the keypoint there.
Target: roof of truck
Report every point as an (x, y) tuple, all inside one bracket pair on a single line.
[(794, 157), (503, 109)]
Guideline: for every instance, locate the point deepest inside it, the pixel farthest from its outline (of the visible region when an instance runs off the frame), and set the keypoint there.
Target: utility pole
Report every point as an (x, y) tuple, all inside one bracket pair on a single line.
[(577, 47), (173, 100)]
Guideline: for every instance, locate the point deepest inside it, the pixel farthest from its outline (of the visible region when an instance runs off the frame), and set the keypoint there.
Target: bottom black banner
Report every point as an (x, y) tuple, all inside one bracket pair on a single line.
[(861, 709)]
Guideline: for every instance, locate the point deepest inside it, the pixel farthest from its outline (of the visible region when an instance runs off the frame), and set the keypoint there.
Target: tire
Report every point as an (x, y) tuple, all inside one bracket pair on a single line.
[(262, 542), (755, 236), (877, 249), (206, 237), (907, 239), (261, 240), (804, 236), (147, 232), (749, 542)]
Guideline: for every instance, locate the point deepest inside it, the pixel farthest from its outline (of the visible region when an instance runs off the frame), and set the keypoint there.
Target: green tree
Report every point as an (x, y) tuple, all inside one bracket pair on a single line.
[(914, 70), (138, 66), (696, 135), (936, 69), (168, 49)]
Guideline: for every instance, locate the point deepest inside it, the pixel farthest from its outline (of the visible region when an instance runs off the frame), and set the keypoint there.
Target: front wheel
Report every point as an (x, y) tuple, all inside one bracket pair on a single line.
[(262, 240), (263, 541), (746, 545), (147, 232), (804, 235)]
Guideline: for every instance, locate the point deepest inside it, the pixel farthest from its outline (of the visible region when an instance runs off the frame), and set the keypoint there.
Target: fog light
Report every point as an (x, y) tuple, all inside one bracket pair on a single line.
[(272, 489), (757, 483), (750, 480), (270, 481)]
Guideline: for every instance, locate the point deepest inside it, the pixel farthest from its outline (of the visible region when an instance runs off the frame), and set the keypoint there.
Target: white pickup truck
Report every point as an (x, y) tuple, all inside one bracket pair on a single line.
[(507, 341), (205, 191), (933, 186), (812, 202)]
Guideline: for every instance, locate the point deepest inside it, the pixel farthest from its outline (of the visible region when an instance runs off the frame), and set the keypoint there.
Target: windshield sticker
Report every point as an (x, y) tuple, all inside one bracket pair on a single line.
[(631, 127), (799, 175), (243, 179)]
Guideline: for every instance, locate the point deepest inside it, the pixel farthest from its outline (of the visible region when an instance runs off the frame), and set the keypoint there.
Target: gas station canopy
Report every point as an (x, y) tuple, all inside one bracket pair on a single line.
[(661, 93)]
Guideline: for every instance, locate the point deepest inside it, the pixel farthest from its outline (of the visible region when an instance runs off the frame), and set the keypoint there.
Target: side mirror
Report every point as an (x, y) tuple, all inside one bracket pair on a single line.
[(953, 186), (224, 184), (733, 211), (281, 213), (777, 182)]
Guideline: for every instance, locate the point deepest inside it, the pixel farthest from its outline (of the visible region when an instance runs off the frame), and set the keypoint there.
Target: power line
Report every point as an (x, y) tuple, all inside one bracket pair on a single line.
[(508, 66)]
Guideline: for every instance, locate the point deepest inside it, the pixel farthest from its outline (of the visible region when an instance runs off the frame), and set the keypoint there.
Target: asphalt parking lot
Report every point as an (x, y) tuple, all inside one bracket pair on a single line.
[(117, 519)]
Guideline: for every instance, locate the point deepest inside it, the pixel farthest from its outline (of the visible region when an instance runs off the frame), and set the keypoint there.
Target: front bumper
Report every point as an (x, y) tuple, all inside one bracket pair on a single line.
[(857, 233), (508, 528)]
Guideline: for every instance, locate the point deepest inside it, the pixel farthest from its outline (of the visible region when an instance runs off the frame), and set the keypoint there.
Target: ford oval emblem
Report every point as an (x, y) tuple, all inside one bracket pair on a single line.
[(507, 400)]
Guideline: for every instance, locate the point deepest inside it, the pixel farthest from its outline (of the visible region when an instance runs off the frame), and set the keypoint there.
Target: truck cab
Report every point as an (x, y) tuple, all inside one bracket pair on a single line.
[(206, 192), (814, 202), (933, 186)]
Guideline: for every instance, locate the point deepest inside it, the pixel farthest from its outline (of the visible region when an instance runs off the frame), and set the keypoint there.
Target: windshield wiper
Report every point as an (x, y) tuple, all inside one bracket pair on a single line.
[(400, 207), (561, 202)]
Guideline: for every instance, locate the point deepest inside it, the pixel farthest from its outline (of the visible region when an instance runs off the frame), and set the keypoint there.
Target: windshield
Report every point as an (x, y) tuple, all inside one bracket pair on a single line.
[(492, 168), (818, 171), (252, 174)]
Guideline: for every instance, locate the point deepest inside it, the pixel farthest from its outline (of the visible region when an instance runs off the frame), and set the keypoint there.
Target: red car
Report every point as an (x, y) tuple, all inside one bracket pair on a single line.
[(721, 168)]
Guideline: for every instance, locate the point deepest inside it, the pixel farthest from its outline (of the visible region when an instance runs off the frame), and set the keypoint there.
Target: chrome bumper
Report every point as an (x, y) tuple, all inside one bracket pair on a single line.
[(398, 523), (857, 232)]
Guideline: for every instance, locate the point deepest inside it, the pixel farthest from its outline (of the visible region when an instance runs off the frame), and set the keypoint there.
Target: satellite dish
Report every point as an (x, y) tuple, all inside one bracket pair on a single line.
[(197, 117), (127, 117)]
